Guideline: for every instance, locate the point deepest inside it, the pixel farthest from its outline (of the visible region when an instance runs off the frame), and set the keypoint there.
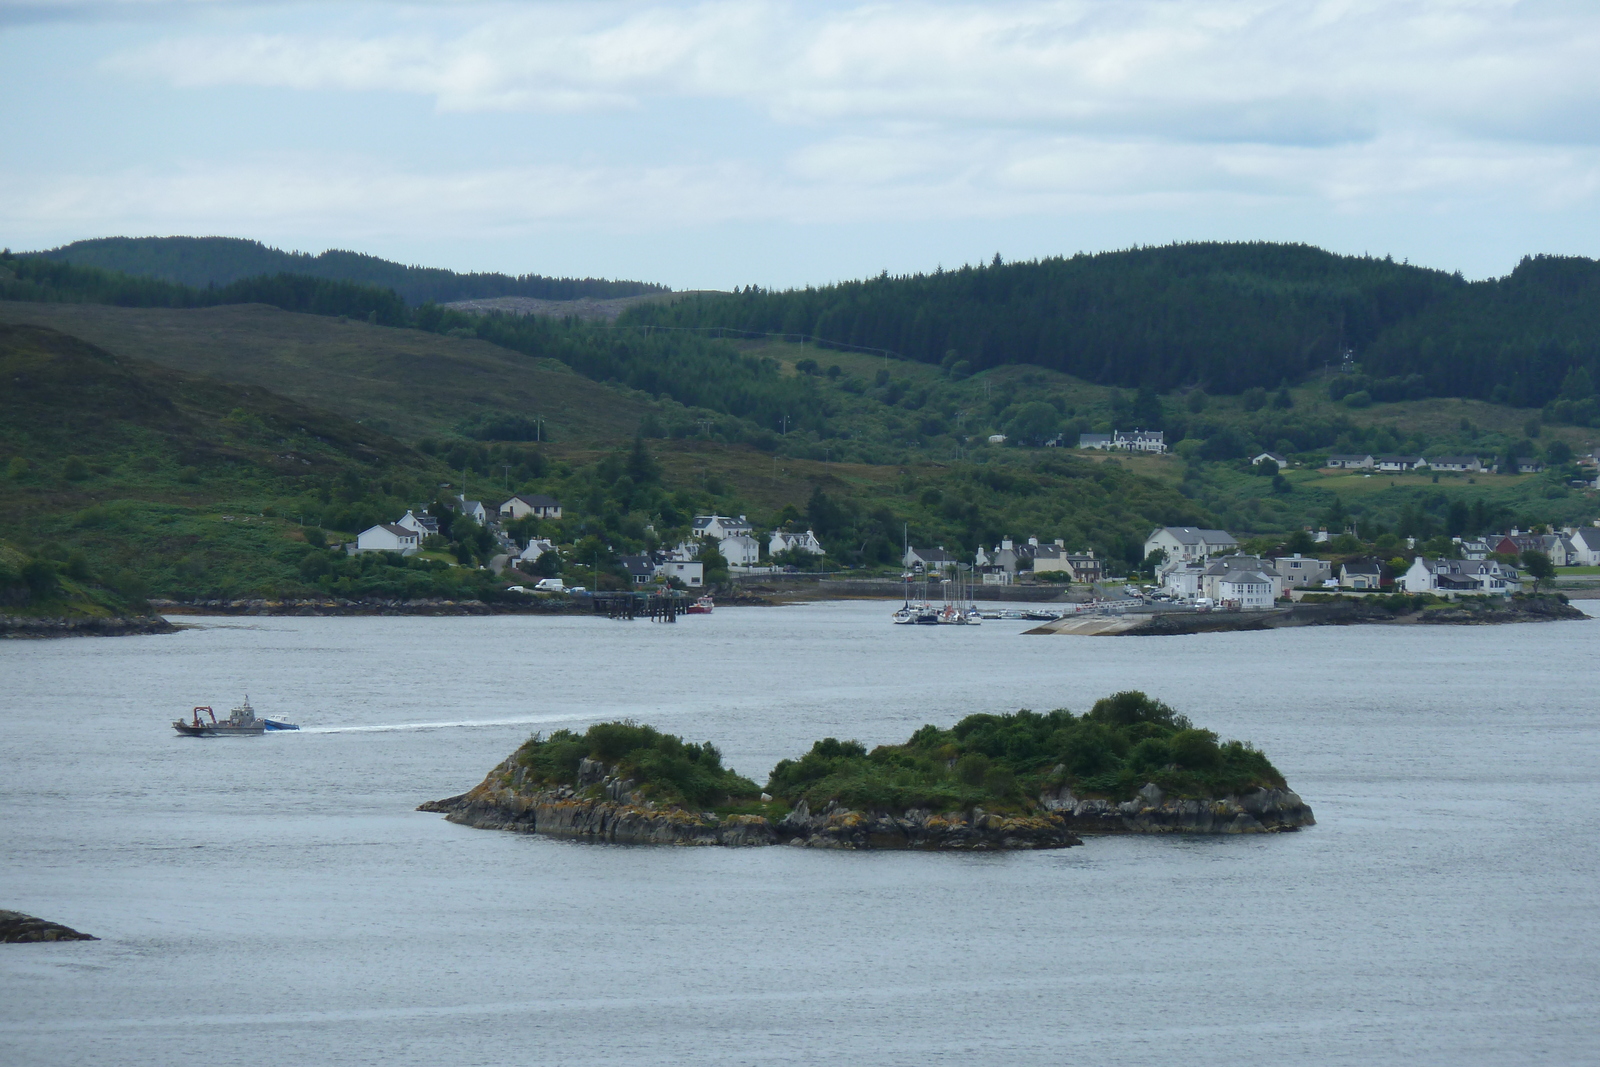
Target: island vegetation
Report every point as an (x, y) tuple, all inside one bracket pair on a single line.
[(1019, 780)]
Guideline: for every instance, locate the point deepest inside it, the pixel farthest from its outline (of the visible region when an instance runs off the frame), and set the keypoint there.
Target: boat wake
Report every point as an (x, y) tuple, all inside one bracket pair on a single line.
[(524, 720)]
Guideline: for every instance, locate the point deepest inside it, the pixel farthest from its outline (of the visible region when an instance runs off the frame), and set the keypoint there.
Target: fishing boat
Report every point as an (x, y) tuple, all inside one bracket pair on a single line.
[(703, 606), (241, 722)]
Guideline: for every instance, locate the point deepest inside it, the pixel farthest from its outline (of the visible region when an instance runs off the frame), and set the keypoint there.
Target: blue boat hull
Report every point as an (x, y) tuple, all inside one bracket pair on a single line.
[(273, 724)]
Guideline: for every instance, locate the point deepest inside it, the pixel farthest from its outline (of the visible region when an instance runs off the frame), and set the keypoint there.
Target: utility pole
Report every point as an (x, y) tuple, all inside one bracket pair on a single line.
[(507, 468)]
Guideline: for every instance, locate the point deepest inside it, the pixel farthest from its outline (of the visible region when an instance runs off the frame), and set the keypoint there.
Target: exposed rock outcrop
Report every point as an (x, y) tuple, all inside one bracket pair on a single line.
[(16, 927), (621, 815), (976, 830), (1153, 812), (84, 626)]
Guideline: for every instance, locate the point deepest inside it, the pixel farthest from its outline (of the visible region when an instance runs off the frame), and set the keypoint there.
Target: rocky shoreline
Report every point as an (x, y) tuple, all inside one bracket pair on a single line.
[(619, 814), (1354, 611), (22, 626), (17, 928)]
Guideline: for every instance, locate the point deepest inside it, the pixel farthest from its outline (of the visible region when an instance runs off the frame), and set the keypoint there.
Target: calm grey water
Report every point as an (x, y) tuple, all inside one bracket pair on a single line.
[(277, 901)]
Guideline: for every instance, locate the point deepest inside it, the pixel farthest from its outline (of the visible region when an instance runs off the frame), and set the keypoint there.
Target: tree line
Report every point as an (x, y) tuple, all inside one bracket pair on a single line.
[(206, 261)]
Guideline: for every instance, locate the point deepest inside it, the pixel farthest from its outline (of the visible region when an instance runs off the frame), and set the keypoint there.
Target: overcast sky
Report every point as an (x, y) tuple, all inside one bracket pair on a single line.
[(707, 145)]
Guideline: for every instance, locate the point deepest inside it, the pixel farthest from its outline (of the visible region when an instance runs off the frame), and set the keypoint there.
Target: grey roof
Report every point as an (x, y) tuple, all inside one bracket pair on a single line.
[(1364, 566), (538, 500), (399, 531), (1194, 535), (1343, 457), (1589, 535), (932, 555), (1247, 576), (1454, 461), (1394, 457)]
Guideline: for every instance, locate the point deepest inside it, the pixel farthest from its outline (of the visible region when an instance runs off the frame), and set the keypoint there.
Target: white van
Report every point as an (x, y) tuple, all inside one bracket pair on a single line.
[(549, 585)]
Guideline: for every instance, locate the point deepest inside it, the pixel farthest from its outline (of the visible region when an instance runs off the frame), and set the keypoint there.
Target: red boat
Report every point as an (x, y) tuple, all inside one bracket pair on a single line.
[(702, 606)]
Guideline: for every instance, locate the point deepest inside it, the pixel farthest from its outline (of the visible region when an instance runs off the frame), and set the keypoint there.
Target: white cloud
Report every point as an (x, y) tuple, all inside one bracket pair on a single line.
[(1250, 70)]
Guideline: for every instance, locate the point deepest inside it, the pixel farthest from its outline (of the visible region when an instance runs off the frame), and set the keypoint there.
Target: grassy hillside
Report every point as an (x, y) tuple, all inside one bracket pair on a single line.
[(206, 261), (407, 382), (149, 481)]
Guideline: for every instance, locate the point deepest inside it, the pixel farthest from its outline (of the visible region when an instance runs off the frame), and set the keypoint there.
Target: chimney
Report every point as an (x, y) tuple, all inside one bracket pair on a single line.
[(1034, 541), (1060, 543), (1005, 544)]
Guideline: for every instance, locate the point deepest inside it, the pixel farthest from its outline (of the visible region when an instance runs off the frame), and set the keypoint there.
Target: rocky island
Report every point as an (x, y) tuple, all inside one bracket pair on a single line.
[(17, 928), (1015, 781)]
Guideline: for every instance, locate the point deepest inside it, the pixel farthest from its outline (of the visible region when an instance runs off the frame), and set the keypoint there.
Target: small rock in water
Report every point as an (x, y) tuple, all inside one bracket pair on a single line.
[(16, 927)]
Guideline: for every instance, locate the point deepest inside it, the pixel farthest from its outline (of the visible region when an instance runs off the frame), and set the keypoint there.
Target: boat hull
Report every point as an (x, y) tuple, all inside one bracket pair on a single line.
[(189, 729)]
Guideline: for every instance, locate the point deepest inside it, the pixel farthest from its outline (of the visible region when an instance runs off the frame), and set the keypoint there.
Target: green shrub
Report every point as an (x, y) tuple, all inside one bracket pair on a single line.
[(1002, 762), (666, 768)]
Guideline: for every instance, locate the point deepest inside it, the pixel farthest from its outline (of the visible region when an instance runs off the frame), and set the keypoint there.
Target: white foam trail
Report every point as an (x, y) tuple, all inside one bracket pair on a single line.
[(389, 727)]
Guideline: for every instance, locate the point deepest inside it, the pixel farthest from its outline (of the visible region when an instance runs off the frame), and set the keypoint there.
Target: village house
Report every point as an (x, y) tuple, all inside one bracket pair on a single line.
[(1189, 542), (388, 537), (928, 560), (1303, 572), (1359, 461), (1281, 460), (1474, 548), (1397, 463), (540, 507), (641, 569), (1151, 441), (733, 536), (1456, 463), (537, 547), (1182, 579), (474, 510), (1361, 574), (691, 573), (1561, 550), (781, 541), (1461, 576), (424, 525), (1246, 589), (1239, 579), (1586, 545)]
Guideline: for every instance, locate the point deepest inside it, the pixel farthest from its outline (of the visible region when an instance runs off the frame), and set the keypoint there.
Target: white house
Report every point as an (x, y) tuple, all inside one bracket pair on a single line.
[(1456, 463), (1189, 542), (475, 509), (691, 573), (1358, 461), (1395, 463), (1303, 572), (1183, 579), (800, 542), (388, 537), (1461, 576), (928, 559), (1052, 560), (1245, 588), (1586, 545), (740, 550), (1153, 441), (537, 505), (1281, 460), (997, 439), (1241, 571), (536, 548), (641, 569), (424, 525), (1474, 549)]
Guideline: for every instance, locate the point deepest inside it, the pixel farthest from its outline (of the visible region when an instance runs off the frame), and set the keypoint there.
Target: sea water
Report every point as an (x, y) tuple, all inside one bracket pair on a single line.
[(277, 900)]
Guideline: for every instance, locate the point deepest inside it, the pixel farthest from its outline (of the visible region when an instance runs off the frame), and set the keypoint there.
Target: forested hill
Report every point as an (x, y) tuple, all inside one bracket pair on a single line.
[(1225, 316), (220, 261)]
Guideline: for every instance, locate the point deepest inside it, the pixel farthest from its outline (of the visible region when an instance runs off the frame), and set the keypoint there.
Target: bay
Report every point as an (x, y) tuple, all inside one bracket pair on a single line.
[(276, 900)]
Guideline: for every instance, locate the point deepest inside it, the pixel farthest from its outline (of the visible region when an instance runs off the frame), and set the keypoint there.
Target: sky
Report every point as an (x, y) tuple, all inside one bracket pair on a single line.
[(715, 144)]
